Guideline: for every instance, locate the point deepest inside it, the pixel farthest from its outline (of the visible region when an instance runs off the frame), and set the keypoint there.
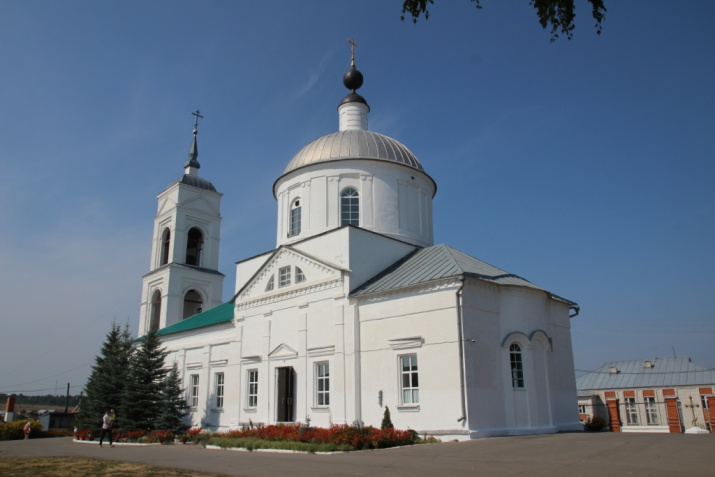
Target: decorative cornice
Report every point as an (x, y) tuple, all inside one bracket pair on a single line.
[(267, 299), (426, 287)]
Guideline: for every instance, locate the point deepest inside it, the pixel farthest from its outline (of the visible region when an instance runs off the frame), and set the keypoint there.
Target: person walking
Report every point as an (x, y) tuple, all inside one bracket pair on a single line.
[(106, 428), (27, 429)]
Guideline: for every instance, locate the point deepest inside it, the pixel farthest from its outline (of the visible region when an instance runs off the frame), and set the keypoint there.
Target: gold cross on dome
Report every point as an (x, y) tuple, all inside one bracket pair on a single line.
[(353, 47)]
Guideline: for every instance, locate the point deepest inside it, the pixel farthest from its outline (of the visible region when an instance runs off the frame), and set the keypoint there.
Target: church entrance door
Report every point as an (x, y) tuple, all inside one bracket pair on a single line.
[(286, 393)]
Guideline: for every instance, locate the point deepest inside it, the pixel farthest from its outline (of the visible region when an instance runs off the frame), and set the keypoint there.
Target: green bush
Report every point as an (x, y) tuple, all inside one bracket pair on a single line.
[(13, 430), (597, 424)]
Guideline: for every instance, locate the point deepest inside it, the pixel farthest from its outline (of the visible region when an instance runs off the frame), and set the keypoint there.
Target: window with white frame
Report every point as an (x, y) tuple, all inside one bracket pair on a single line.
[(218, 385), (631, 411), (284, 277), (194, 391), (252, 394), (349, 207), (269, 285), (409, 383), (651, 411), (299, 275), (295, 218), (322, 384), (517, 366)]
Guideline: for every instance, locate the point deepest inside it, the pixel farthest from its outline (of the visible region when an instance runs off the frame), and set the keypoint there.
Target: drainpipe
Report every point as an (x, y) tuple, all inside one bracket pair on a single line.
[(575, 309), (460, 329)]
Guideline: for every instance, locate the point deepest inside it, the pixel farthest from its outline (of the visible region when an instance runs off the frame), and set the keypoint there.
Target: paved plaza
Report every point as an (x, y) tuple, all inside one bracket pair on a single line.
[(568, 454)]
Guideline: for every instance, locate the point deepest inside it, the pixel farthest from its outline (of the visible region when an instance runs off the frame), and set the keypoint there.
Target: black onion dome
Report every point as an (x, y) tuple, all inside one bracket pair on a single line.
[(352, 79)]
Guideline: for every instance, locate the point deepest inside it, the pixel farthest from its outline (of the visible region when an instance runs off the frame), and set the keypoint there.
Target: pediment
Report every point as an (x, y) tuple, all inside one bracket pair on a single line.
[(199, 204), (283, 351), (165, 205), (303, 271)]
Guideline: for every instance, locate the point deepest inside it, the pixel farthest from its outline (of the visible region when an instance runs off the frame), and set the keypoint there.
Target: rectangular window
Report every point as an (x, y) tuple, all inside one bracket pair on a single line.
[(322, 384), (651, 411), (194, 396), (631, 411), (252, 397), (219, 389), (409, 383), (284, 277), (582, 409)]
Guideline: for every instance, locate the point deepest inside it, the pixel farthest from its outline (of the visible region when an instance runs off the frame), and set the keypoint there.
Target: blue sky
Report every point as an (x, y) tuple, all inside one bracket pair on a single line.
[(584, 166)]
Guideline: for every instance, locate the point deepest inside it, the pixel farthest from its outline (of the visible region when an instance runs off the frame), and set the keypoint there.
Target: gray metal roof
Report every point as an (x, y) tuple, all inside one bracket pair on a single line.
[(434, 263), (353, 144), (196, 181), (674, 371)]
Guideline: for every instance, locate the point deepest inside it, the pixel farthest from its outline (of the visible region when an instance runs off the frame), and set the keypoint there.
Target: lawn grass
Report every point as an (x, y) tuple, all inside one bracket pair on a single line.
[(84, 466), (251, 444)]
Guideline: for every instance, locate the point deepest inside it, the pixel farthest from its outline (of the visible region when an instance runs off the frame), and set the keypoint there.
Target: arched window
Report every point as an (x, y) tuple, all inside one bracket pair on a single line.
[(165, 242), (349, 207), (155, 311), (517, 366), (299, 275), (270, 284), (295, 218), (193, 303), (194, 247)]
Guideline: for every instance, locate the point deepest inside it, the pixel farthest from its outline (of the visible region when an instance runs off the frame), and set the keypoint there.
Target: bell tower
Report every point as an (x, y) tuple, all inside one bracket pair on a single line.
[(183, 279)]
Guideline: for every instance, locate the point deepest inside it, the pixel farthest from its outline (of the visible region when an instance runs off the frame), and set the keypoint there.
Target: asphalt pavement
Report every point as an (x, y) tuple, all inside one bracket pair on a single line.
[(568, 454)]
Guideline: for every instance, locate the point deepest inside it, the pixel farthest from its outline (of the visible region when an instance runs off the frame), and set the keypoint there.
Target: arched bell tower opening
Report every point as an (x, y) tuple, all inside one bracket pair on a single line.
[(194, 247), (193, 304), (165, 246), (155, 311)]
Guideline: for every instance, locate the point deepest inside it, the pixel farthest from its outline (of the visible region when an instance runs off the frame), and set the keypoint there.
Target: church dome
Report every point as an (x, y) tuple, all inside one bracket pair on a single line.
[(353, 144), (196, 181)]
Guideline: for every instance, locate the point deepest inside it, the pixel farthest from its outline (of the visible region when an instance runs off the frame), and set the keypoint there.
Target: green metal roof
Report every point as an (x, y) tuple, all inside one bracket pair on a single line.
[(216, 315)]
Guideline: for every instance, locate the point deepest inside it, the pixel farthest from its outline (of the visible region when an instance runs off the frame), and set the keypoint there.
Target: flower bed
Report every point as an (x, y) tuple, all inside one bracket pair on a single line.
[(337, 437)]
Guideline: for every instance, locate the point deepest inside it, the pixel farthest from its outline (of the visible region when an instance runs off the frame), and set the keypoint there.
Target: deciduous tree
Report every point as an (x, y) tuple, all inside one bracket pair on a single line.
[(558, 14)]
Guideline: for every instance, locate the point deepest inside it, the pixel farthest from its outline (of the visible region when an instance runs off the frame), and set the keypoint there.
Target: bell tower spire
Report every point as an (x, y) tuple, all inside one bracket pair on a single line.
[(192, 167)]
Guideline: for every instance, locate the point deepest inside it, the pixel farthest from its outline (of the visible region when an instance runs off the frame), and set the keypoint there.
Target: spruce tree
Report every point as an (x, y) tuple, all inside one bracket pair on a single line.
[(142, 402), (105, 386), (174, 406)]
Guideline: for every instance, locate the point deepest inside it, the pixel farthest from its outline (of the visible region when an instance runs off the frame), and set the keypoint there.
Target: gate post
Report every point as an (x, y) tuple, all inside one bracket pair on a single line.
[(671, 406), (614, 418), (711, 410)]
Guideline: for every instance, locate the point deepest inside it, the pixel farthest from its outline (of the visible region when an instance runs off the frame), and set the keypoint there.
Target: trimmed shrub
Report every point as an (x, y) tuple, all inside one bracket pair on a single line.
[(10, 431), (386, 421)]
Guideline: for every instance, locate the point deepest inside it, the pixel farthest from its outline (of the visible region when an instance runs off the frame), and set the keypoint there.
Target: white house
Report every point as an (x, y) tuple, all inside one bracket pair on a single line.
[(649, 395), (356, 308)]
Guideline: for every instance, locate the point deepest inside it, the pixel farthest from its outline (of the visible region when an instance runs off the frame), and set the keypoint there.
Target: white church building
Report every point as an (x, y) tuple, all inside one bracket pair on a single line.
[(355, 309)]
